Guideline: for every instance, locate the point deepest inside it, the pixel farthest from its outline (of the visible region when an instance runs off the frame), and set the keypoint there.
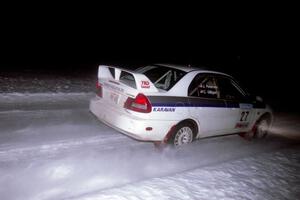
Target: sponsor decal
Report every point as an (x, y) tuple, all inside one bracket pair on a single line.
[(164, 109), (145, 84)]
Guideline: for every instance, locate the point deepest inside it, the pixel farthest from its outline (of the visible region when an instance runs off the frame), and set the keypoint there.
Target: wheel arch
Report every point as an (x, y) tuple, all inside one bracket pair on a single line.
[(267, 115), (193, 122), (172, 130), (190, 121)]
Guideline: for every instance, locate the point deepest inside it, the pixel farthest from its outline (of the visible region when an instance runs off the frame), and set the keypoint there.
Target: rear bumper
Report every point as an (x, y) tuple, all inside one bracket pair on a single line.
[(129, 124)]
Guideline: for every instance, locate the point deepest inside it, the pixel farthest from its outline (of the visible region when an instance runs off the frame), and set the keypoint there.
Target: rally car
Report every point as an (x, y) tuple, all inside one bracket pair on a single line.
[(176, 104)]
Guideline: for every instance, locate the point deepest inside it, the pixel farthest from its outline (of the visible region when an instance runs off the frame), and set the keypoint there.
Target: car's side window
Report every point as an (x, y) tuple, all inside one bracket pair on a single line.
[(127, 79), (163, 77), (229, 89), (204, 86)]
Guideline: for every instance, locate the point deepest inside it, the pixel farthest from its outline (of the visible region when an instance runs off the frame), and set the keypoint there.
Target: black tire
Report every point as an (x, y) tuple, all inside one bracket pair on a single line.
[(183, 134)]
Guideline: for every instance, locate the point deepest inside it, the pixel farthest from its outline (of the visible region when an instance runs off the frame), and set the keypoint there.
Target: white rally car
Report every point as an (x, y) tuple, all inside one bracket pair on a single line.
[(176, 104)]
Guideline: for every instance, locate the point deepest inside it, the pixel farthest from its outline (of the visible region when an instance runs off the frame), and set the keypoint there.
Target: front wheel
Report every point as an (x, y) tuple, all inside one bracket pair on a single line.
[(261, 129), (183, 134)]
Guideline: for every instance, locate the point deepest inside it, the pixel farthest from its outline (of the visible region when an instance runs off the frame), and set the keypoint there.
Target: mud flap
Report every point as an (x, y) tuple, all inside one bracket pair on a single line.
[(246, 135)]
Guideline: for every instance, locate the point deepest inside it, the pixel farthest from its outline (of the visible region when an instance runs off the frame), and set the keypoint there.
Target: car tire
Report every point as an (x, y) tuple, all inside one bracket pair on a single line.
[(183, 134), (261, 128), (259, 131)]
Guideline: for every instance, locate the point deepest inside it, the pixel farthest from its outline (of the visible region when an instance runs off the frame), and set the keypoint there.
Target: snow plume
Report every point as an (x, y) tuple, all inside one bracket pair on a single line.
[(287, 125), (271, 175)]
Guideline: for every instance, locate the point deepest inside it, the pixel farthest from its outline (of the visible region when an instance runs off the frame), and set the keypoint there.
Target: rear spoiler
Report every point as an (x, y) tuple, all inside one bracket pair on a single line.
[(142, 82)]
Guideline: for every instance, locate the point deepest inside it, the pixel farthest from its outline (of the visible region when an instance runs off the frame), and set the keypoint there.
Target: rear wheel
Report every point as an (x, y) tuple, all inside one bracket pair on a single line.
[(183, 134)]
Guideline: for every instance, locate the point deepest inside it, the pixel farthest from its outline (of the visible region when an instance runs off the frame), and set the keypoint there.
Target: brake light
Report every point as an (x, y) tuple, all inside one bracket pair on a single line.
[(140, 104), (99, 91)]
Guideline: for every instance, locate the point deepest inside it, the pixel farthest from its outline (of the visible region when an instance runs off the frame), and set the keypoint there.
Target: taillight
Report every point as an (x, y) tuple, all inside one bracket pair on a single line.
[(99, 91), (140, 104)]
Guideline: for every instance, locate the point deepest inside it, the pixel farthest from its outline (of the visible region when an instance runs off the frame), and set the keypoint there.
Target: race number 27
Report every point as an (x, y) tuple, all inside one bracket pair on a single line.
[(244, 116)]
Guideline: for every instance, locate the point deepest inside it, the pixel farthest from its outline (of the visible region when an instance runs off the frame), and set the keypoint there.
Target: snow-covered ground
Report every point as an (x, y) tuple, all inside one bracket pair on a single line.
[(271, 175), (51, 147)]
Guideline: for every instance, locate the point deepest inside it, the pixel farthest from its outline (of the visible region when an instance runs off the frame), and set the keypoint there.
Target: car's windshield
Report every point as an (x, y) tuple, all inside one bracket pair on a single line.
[(162, 77)]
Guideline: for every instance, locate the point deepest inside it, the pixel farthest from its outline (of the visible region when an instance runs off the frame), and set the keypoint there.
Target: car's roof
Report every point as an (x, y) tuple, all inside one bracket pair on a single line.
[(187, 68)]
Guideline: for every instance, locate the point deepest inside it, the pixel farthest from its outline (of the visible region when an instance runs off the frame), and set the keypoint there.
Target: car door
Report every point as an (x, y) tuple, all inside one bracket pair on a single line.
[(239, 108), (206, 106)]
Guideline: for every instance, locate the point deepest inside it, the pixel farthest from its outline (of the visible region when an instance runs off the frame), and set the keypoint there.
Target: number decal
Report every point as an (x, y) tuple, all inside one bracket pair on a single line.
[(244, 116)]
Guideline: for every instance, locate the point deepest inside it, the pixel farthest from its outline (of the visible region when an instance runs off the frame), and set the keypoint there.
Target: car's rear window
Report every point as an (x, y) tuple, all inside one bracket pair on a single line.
[(162, 77)]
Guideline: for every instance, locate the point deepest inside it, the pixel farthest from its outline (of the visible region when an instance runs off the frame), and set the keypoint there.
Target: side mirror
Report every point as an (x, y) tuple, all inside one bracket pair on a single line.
[(258, 98)]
